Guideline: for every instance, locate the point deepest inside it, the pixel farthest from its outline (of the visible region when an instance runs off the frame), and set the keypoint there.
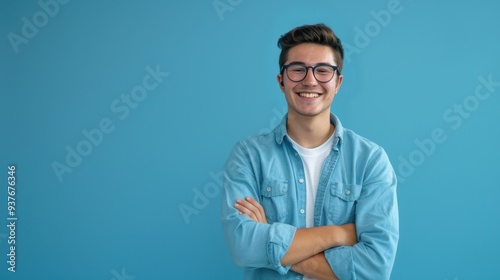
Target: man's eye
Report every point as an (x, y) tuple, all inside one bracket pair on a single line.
[(324, 70)]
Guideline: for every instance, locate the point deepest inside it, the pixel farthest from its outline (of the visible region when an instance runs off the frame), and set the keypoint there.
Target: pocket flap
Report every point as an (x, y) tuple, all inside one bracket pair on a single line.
[(347, 192), (272, 188)]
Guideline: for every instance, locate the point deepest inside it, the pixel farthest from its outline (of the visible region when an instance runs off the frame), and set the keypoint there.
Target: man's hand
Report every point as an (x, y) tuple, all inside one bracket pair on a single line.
[(316, 267), (252, 209)]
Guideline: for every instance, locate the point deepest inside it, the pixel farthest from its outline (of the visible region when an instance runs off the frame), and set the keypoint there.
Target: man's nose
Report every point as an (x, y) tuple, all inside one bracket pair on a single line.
[(309, 79)]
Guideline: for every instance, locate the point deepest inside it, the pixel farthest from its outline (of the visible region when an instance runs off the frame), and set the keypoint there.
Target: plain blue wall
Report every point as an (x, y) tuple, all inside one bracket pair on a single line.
[(412, 84)]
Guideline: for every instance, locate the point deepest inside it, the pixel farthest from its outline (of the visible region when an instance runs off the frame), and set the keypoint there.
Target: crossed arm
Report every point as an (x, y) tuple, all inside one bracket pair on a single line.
[(305, 254)]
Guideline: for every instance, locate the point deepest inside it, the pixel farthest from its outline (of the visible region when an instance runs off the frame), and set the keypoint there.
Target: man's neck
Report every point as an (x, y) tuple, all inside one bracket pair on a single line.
[(309, 132)]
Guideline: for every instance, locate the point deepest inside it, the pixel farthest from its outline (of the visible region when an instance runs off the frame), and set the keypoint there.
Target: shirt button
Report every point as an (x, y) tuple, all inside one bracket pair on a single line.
[(296, 154), (348, 192), (268, 189), (301, 180), (302, 211)]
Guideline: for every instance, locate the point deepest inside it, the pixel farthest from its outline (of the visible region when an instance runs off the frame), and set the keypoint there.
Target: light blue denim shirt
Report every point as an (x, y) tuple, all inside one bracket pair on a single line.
[(357, 185)]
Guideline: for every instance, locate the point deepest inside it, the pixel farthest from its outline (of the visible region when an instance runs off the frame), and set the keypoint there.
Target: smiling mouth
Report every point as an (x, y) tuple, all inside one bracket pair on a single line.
[(308, 94)]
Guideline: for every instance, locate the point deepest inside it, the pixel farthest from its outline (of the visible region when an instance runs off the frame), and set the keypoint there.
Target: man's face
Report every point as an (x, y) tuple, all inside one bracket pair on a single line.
[(309, 97)]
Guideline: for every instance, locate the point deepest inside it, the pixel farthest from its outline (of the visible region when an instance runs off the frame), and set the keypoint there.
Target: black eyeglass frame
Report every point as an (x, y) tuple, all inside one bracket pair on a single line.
[(285, 68)]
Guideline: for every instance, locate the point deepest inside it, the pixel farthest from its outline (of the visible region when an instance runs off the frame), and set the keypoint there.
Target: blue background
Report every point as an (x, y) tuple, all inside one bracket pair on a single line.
[(117, 214)]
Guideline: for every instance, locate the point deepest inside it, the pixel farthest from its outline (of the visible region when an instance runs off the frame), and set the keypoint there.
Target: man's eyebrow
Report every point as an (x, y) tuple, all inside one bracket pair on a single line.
[(297, 62), (303, 63)]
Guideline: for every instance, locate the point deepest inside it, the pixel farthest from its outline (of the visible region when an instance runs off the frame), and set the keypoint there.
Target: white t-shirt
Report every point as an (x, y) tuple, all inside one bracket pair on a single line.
[(312, 160)]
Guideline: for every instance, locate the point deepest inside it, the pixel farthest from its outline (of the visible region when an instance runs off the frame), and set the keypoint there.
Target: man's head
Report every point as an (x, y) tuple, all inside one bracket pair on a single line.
[(310, 64), (317, 34)]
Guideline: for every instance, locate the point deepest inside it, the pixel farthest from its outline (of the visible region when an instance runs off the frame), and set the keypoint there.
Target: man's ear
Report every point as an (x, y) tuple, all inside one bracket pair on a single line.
[(279, 78), (339, 83)]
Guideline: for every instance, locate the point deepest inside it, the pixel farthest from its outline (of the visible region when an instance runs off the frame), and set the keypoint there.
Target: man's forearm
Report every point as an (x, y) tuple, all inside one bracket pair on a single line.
[(308, 242), (316, 267)]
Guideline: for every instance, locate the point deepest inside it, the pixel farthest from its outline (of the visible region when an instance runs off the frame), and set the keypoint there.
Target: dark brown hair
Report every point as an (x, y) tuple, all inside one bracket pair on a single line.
[(318, 34)]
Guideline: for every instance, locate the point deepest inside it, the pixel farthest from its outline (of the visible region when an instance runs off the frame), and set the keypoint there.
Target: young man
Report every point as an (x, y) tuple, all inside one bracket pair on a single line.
[(310, 199)]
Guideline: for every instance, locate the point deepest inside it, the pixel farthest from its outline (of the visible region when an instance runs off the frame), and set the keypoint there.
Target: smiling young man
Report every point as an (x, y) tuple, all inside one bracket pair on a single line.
[(311, 199)]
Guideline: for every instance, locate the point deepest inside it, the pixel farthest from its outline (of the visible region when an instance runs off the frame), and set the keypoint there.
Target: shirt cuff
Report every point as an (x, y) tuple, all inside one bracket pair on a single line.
[(280, 238), (340, 260)]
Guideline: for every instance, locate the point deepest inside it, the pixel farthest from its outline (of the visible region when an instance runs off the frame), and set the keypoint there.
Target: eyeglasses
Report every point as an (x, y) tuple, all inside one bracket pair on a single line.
[(297, 72)]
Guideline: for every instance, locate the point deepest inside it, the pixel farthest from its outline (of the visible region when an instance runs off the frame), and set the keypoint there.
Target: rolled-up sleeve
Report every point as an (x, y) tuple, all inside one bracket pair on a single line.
[(377, 226), (251, 244)]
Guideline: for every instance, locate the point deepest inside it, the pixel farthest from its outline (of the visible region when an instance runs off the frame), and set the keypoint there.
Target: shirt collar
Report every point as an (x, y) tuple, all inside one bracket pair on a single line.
[(280, 131)]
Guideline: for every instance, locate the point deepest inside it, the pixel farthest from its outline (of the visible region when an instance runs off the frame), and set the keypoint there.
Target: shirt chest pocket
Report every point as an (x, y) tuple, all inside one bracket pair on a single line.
[(341, 203), (274, 200)]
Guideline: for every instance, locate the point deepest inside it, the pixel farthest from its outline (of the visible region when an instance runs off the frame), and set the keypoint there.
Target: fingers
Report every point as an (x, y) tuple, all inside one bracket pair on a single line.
[(255, 204), (261, 214), (251, 208), (248, 208), (244, 208)]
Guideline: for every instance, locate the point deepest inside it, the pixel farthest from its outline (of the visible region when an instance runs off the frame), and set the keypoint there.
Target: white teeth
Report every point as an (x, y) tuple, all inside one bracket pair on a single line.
[(309, 95)]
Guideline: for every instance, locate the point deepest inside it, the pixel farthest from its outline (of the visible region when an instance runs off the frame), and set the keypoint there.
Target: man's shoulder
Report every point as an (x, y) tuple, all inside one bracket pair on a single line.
[(261, 140), (365, 152), (354, 141)]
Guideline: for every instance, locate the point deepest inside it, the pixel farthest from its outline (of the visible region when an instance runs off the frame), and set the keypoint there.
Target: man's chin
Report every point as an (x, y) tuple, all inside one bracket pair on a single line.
[(308, 114)]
